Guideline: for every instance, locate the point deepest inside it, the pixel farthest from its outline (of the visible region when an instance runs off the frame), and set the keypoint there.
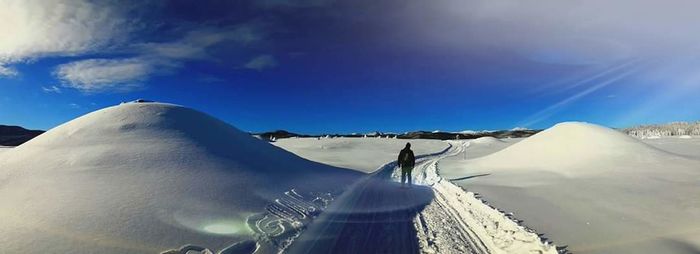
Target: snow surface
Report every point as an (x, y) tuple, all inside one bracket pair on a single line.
[(482, 146), (363, 154), (4, 149), (148, 177), (376, 215), (680, 146), (592, 188), (486, 140), (570, 148)]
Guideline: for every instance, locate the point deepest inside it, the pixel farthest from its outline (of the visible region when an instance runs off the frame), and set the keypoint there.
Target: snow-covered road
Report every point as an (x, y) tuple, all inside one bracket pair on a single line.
[(376, 215)]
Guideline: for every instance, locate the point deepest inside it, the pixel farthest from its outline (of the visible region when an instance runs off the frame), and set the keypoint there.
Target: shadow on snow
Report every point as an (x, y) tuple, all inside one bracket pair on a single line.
[(375, 216)]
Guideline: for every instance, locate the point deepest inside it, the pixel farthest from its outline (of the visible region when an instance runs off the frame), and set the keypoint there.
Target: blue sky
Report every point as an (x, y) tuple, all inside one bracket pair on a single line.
[(316, 66)]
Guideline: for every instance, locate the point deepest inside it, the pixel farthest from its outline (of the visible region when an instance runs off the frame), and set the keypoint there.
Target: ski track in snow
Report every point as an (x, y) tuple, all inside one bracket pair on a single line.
[(457, 221), (450, 220), (434, 216)]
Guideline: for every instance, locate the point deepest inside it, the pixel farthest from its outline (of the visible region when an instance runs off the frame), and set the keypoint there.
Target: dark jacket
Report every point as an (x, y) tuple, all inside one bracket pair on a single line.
[(406, 158)]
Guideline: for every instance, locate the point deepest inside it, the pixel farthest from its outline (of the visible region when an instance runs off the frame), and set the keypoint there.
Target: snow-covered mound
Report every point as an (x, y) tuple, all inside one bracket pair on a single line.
[(486, 140), (606, 187), (567, 145), (146, 177)]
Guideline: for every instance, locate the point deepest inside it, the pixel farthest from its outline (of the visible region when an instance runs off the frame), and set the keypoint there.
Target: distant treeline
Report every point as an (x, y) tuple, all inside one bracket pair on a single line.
[(664, 130), (520, 133)]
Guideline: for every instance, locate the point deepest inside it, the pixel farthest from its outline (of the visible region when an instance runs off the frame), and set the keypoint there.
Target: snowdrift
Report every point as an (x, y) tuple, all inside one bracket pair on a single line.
[(147, 177), (568, 146)]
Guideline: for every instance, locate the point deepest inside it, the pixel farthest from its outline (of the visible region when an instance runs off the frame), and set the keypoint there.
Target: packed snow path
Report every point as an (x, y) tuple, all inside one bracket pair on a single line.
[(376, 215)]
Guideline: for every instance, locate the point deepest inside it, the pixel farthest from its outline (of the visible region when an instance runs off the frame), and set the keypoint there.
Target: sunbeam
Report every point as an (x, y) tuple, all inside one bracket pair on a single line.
[(554, 108)]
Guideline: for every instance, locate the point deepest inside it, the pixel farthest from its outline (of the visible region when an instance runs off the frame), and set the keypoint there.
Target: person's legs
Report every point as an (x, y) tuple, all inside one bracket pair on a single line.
[(410, 178), (403, 176)]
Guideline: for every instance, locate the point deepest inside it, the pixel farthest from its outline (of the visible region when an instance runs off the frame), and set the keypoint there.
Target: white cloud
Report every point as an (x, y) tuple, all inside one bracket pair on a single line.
[(261, 62), (51, 89), (36, 28), (7, 71), (122, 75), (555, 31), (105, 75)]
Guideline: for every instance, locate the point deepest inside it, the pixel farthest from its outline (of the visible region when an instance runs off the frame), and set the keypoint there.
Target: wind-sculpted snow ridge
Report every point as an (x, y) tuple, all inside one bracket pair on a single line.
[(459, 222), (285, 219)]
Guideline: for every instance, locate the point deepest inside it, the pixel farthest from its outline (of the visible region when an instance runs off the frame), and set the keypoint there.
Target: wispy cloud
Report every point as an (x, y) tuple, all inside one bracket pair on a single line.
[(210, 79), (292, 3), (7, 71), (51, 89), (104, 75), (123, 75), (33, 28), (194, 44), (593, 86), (261, 62)]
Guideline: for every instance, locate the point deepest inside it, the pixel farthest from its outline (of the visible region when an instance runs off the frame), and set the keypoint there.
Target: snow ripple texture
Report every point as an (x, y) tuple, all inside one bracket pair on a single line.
[(285, 219), (276, 228)]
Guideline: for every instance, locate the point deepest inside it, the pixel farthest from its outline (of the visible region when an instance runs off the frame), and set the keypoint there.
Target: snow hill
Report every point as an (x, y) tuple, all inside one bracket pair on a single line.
[(568, 146), (147, 177), (592, 188)]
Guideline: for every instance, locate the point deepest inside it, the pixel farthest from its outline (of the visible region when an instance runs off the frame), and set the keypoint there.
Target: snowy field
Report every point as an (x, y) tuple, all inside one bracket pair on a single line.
[(585, 186), (376, 216), (4, 149), (592, 188), (683, 145), (147, 178), (363, 154)]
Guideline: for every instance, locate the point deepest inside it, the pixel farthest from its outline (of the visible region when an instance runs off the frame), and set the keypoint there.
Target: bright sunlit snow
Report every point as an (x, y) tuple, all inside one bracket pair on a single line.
[(148, 177), (363, 154), (593, 188), (582, 185)]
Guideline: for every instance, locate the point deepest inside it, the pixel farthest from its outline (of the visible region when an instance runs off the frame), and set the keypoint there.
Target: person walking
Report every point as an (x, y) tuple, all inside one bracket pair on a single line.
[(406, 161)]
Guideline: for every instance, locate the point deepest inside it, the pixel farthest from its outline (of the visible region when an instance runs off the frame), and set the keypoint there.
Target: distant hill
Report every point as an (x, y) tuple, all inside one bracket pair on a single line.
[(515, 133), (15, 135)]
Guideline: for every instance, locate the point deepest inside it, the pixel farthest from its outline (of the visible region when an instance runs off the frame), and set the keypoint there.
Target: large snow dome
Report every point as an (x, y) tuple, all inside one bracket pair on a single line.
[(568, 147), (146, 177)]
